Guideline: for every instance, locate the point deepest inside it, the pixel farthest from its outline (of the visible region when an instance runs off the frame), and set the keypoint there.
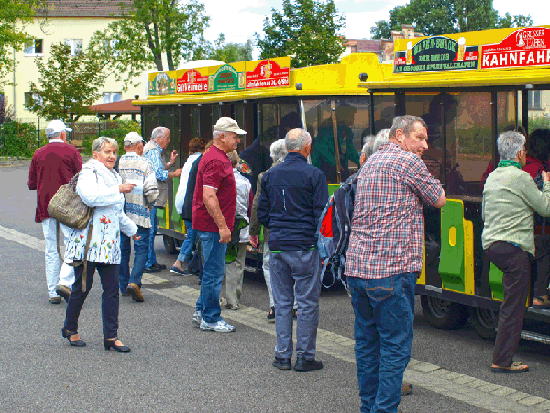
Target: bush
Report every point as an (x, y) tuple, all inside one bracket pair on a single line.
[(18, 139), (123, 127)]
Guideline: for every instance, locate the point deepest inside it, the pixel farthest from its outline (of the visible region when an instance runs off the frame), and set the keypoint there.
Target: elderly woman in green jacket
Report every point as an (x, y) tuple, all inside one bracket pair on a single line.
[(510, 197)]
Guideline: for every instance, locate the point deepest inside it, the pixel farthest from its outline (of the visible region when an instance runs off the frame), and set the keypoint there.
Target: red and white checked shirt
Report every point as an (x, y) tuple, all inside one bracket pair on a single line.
[(387, 229)]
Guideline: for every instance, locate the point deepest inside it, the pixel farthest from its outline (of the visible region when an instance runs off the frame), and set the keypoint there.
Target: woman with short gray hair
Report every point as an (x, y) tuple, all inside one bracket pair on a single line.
[(510, 197), (101, 188)]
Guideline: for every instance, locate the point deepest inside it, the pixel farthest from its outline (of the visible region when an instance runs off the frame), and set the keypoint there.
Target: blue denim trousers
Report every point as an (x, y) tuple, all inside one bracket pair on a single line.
[(152, 257), (295, 276), (141, 249), (384, 312), (186, 250), (212, 276)]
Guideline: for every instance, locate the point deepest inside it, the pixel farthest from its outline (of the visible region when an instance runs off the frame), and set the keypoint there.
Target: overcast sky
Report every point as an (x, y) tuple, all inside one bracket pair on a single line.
[(240, 19)]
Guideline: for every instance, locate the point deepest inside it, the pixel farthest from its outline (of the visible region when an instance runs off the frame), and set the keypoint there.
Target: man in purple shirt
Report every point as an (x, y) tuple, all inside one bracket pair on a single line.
[(53, 165)]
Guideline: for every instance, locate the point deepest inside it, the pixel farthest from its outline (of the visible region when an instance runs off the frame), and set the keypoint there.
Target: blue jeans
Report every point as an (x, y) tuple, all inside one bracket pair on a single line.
[(384, 312), (212, 276), (295, 276), (186, 250), (141, 248), (152, 257)]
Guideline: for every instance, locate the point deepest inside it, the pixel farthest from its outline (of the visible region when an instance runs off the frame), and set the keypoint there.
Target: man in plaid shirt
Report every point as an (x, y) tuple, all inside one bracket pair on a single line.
[(384, 258)]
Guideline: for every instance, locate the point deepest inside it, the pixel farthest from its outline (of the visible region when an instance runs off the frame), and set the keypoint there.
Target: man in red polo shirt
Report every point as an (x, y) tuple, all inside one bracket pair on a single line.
[(53, 165), (214, 208)]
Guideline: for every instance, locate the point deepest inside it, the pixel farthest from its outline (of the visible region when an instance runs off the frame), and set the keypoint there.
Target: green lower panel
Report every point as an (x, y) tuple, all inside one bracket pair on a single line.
[(175, 219), (495, 282), (452, 260), (161, 217)]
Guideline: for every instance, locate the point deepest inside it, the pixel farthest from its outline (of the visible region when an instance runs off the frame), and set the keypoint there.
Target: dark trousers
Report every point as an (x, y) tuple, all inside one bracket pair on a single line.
[(516, 267), (542, 255), (109, 299)]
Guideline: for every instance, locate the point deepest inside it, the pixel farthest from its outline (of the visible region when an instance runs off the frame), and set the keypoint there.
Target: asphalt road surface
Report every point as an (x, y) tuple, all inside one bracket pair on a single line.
[(175, 367)]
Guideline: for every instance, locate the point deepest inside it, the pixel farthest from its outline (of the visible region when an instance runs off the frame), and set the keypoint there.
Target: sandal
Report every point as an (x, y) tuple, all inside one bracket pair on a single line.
[(544, 302), (516, 367)]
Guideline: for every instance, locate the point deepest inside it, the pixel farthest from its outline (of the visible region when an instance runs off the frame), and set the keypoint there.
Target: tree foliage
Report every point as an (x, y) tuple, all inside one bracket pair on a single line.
[(433, 17), (67, 84), (151, 31), (14, 15), (307, 30), (230, 52)]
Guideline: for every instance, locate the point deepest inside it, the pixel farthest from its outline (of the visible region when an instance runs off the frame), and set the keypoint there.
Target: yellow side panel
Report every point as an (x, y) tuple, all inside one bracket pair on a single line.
[(469, 280)]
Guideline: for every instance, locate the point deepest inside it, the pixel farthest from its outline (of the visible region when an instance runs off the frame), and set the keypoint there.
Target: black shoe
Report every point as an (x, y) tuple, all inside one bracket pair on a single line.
[(307, 365), (159, 267), (281, 364), (151, 269), (68, 334), (55, 300), (271, 314), (110, 344)]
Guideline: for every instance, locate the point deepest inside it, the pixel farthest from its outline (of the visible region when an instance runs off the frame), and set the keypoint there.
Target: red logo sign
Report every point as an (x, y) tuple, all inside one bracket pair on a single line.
[(267, 74), (524, 47), (192, 82)]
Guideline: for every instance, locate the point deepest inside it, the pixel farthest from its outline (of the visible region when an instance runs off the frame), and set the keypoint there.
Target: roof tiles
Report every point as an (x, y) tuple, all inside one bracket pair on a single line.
[(86, 8)]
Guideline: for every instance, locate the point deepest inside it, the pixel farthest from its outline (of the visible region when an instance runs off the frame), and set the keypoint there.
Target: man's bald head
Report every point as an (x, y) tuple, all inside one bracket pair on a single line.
[(297, 139)]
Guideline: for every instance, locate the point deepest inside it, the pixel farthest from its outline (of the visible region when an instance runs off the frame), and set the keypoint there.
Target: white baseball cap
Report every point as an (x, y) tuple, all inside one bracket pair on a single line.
[(56, 126), (132, 138), (226, 124)]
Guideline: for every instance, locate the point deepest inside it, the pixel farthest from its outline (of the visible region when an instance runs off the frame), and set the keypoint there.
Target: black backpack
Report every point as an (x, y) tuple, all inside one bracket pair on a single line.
[(335, 227)]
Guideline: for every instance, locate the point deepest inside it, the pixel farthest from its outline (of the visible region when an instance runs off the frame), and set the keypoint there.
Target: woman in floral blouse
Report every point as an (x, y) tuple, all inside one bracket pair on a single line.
[(100, 187)]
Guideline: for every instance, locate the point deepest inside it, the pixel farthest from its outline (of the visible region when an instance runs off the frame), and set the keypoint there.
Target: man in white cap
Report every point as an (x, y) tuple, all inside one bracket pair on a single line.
[(137, 170), (53, 165), (214, 209)]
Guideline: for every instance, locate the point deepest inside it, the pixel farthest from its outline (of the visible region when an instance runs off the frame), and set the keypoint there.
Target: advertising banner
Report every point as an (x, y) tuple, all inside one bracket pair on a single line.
[(192, 81), (522, 48), (268, 73), (436, 53), (226, 78), (162, 83)]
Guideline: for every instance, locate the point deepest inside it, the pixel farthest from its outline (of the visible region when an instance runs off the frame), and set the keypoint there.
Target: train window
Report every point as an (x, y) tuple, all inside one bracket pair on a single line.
[(195, 122), (468, 138), (428, 107), (318, 117), (240, 118), (384, 111)]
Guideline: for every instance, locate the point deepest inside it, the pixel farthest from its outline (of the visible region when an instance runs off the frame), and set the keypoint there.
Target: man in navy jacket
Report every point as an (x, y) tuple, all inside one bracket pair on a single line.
[(293, 196)]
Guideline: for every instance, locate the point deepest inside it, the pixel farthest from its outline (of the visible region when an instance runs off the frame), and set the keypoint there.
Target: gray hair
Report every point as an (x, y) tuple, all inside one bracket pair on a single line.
[(217, 134), (509, 144), (368, 146), (100, 142), (382, 137), (296, 139), (54, 135), (159, 132), (406, 124), (277, 150)]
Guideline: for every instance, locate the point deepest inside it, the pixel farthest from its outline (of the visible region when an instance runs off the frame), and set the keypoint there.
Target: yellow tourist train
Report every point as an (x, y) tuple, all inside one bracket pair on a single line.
[(468, 87)]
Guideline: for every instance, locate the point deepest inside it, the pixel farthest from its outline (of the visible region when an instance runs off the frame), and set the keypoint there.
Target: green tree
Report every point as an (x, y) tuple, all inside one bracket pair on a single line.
[(307, 30), (14, 15), (433, 17), (381, 30), (230, 52), (150, 31), (67, 84)]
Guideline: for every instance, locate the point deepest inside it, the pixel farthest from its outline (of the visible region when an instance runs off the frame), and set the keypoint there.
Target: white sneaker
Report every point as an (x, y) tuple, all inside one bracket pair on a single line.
[(197, 318), (219, 327)]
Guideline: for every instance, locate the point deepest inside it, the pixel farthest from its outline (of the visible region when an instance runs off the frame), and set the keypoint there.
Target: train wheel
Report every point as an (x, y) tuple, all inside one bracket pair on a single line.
[(484, 322), (169, 244), (443, 314)]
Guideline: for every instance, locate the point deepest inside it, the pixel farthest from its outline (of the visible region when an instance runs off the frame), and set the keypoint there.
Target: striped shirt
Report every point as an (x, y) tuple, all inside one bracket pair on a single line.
[(387, 229), (135, 169)]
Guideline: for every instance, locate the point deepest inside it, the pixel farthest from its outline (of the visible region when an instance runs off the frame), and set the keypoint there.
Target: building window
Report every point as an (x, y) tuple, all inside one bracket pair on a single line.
[(75, 45), (534, 99), (32, 98), (110, 97), (34, 48)]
